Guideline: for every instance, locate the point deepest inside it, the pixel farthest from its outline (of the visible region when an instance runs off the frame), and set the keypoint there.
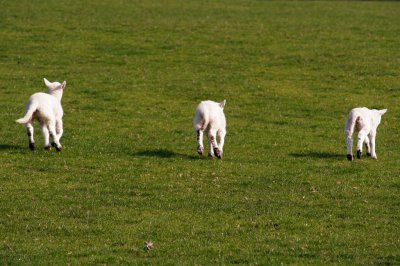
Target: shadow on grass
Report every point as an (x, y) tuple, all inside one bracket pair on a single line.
[(165, 154), (9, 147), (318, 155)]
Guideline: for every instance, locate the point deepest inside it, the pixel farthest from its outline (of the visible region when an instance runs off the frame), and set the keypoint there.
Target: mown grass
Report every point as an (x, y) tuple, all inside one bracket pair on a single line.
[(135, 71)]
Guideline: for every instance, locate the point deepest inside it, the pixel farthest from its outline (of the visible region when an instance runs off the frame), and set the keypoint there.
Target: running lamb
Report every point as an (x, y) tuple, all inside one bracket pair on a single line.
[(366, 122), (46, 108), (210, 118)]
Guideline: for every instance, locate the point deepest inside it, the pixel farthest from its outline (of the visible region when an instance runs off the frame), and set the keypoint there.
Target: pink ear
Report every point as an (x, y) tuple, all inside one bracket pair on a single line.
[(222, 104), (63, 84)]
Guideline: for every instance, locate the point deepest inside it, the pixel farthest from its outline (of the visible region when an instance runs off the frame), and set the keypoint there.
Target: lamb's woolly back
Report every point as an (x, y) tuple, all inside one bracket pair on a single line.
[(209, 114), (366, 122), (210, 118), (46, 101), (47, 109)]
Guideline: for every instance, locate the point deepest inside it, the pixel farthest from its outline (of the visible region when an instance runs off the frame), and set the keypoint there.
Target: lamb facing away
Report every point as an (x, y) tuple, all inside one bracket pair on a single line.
[(46, 108), (366, 122), (210, 118)]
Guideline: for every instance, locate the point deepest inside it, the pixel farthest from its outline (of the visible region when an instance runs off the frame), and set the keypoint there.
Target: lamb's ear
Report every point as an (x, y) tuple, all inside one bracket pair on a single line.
[(48, 83), (381, 112), (222, 104), (63, 85)]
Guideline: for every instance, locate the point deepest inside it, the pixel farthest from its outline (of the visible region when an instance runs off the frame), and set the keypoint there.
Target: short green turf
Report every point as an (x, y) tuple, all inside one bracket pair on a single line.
[(284, 192)]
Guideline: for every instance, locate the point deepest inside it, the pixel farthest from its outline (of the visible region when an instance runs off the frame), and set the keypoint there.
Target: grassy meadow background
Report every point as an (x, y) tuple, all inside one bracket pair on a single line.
[(129, 172)]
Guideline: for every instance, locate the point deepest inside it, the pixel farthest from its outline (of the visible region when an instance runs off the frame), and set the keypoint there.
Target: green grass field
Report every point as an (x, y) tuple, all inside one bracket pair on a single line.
[(284, 192)]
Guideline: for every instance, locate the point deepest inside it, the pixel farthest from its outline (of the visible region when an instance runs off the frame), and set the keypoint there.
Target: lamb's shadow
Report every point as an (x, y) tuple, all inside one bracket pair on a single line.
[(318, 155), (9, 147), (162, 153)]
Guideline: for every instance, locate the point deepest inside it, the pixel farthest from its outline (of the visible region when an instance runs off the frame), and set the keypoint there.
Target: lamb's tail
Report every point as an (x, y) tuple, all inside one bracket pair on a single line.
[(32, 107), (350, 125), (200, 121)]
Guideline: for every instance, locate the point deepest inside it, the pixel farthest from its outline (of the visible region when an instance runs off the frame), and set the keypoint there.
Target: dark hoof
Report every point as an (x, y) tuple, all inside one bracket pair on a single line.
[(55, 146), (359, 154), (349, 157), (32, 146), (47, 148), (217, 153), (200, 150), (369, 154)]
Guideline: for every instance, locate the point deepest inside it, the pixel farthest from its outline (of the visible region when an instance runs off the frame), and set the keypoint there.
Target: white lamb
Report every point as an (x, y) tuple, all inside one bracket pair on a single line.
[(366, 122), (210, 117), (46, 108)]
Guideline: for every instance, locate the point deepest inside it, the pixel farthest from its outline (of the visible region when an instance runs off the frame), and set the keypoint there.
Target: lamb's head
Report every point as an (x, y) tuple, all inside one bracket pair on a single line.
[(55, 88), (378, 115)]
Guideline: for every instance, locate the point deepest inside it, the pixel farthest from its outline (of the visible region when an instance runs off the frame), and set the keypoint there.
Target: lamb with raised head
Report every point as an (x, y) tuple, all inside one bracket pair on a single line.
[(366, 122), (46, 109), (210, 118)]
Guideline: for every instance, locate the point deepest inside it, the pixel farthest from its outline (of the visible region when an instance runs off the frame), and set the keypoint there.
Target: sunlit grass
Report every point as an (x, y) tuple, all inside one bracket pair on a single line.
[(129, 172)]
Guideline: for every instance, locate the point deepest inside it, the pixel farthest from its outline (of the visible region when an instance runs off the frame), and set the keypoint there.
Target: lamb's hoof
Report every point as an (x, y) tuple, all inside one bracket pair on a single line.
[(210, 154), (218, 153), (359, 154), (369, 154), (349, 157), (200, 150), (32, 146), (58, 148), (47, 148), (374, 157)]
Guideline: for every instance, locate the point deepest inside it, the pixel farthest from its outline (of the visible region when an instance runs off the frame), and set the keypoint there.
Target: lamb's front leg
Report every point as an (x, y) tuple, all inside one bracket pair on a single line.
[(372, 141), (46, 136), (221, 134), (361, 138), (211, 149), (200, 147), (212, 137), (29, 132), (367, 146), (59, 129), (56, 143)]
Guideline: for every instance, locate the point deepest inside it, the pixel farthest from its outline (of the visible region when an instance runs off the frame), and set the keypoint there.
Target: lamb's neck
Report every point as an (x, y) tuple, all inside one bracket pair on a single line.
[(57, 94)]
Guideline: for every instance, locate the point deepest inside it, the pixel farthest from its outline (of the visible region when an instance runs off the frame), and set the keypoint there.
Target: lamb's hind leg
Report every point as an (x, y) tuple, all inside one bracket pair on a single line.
[(200, 147), (56, 142), (349, 142), (212, 134), (59, 129), (29, 132)]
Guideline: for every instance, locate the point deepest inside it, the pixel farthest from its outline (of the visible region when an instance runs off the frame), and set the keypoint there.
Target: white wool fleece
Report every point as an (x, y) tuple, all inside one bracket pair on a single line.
[(210, 118), (47, 110), (366, 122)]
